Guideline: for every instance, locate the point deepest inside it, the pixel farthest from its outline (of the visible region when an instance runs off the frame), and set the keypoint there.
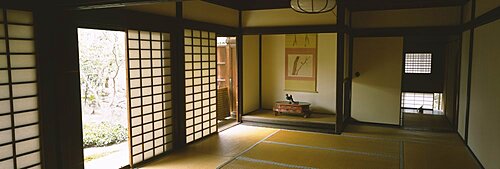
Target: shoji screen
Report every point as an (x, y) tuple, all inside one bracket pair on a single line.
[(19, 128), (150, 104), (201, 83)]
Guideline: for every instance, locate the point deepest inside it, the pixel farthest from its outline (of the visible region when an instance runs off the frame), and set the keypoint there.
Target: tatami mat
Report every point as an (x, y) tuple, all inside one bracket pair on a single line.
[(361, 145), (388, 133), (317, 158), (253, 164), (232, 141), (188, 160), (420, 155)]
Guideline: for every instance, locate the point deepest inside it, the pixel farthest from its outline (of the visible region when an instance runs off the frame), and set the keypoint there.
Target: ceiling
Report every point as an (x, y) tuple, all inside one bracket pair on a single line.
[(252, 4), (357, 5)]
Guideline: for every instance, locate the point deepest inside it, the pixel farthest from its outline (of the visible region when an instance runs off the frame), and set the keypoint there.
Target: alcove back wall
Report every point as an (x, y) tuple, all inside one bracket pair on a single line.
[(273, 73)]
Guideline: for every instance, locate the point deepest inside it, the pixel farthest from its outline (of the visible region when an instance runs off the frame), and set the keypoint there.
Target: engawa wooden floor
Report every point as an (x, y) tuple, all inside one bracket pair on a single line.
[(359, 146)]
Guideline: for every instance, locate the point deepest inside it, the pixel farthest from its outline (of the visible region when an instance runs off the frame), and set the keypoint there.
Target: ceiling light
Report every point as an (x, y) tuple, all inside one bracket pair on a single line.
[(313, 6)]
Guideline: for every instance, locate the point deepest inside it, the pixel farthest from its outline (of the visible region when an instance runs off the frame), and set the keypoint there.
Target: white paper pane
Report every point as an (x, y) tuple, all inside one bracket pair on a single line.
[(144, 35), (133, 34), (24, 89), (5, 136), (22, 61), (3, 47), (2, 29), (25, 104), (3, 61), (4, 91), (6, 151), (21, 31), (4, 76), (136, 121), (148, 145), (27, 146), (137, 149), (136, 130), (28, 160), (148, 136), (15, 16), (136, 140), (26, 75), (7, 164), (4, 106), (155, 35), (148, 154), (137, 158), (5, 122), (26, 118), (158, 150), (22, 46), (26, 132)]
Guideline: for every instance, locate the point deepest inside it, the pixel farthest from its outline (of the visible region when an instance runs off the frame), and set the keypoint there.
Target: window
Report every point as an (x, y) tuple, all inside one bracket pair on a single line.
[(418, 62), (429, 101)]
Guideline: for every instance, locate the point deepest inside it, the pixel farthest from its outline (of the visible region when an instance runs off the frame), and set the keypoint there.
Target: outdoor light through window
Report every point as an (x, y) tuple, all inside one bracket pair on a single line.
[(313, 6)]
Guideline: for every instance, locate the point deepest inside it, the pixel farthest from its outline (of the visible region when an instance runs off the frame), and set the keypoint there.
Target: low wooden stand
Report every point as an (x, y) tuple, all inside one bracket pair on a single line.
[(288, 107)]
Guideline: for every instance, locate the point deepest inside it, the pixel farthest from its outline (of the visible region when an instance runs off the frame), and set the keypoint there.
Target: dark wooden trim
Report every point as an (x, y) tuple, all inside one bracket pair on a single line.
[(220, 29), (292, 29), (23, 5), (459, 72), (102, 4), (119, 19), (384, 32), (486, 18), (178, 82), (374, 5), (356, 122), (401, 112), (260, 71), (469, 73), (339, 99), (239, 48)]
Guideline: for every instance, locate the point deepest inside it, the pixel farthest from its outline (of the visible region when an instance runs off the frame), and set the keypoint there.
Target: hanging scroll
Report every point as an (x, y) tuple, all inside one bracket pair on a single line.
[(300, 62)]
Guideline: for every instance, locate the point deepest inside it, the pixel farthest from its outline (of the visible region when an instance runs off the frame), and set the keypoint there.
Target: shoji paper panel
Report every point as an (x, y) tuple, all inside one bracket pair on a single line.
[(201, 83), (150, 89), (19, 122)]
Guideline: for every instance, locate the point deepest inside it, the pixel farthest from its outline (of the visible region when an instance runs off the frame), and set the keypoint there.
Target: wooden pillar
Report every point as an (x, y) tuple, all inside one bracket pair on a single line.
[(340, 67)]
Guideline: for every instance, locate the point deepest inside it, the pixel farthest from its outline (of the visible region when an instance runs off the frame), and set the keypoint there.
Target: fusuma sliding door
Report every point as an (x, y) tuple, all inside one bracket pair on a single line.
[(150, 104), (19, 116), (201, 83)]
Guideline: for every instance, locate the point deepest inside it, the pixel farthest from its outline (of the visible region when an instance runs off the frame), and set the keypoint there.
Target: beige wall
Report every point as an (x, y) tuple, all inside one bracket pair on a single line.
[(273, 73), (211, 13), (407, 17), (250, 73), (166, 8), (483, 6), (376, 93), (484, 126), (285, 17), (464, 70)]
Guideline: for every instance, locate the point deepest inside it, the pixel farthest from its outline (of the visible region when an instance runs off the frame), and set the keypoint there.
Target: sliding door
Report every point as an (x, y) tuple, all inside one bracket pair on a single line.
[(150, 104), (19, 116), (201, 83)]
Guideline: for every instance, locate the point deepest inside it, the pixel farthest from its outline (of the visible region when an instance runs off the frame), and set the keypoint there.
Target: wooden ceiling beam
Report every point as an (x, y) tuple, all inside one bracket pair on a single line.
[(367, 5)]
